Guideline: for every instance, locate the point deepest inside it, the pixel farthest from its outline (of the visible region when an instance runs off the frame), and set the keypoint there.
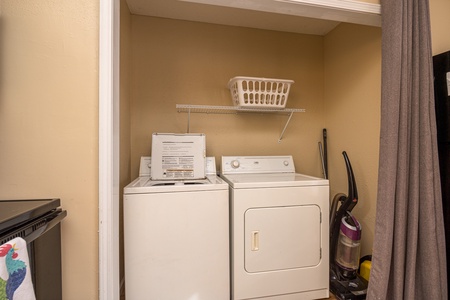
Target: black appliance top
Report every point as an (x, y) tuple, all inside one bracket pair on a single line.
[(16, 212)]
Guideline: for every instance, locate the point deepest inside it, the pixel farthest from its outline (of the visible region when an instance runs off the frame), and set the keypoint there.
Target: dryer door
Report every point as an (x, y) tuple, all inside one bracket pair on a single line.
[(280, 238)]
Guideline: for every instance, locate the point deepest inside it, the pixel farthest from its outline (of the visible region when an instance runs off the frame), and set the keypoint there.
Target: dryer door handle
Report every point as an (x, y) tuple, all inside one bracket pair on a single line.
[(255, 240)]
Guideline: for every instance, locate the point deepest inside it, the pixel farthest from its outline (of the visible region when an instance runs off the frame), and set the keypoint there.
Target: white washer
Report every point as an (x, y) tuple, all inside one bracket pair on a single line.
[(279, 229), (176, 238)]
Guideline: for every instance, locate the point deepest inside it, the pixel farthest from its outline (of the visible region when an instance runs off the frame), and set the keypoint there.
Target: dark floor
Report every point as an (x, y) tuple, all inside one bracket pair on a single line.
[(122, 296)]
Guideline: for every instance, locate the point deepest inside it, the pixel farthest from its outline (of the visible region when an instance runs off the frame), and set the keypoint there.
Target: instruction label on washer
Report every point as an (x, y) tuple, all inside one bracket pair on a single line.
[(178, 156)]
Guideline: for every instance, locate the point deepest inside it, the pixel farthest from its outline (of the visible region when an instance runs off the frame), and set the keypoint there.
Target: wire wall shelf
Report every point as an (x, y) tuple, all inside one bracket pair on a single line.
[(211, 109)]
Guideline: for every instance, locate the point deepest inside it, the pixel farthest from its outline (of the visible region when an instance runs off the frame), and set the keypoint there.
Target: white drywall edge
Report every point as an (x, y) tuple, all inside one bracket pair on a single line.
[(108, 197), (336, 10)]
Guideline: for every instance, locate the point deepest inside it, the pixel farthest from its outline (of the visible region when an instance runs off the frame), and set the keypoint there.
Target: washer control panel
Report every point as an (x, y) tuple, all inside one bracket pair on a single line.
[(145, 166), (257, 164)]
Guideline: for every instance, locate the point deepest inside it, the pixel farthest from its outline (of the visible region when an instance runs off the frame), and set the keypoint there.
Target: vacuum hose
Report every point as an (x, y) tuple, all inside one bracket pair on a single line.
[(339, 197)]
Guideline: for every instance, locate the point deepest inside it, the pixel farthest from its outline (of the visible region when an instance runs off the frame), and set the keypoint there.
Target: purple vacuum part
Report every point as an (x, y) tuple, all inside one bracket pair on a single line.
[(353, 232)]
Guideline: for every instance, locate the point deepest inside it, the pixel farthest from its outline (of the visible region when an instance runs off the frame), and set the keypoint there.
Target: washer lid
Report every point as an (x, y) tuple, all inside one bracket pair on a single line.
[(272, 180), (144, 185)]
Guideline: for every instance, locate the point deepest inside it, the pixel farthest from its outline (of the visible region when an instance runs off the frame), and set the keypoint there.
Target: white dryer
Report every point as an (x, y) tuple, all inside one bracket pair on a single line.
[(279, 229), (176, 238)]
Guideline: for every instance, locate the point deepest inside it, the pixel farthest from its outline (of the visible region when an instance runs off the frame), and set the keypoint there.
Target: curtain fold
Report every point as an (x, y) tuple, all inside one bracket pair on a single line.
[(409, 245)]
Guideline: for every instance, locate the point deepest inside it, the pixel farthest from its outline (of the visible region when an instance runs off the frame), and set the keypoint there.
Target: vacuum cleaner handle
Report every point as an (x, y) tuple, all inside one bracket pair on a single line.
[(352, 198)]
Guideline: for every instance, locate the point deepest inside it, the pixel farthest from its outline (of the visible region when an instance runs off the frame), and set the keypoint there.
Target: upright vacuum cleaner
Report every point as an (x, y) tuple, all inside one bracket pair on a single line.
[(345, 237)]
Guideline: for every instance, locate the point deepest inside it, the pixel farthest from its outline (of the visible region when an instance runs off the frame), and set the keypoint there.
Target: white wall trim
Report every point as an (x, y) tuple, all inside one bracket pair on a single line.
[(109, 33), (349, 5), (350, 11)]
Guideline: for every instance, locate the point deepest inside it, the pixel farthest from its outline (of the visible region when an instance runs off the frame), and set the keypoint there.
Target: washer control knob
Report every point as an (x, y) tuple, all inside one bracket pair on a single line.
[(235, 164), (286, 163)]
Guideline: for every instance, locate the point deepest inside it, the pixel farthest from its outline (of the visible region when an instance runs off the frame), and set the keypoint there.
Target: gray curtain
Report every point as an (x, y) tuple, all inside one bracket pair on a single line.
[(409, 246)]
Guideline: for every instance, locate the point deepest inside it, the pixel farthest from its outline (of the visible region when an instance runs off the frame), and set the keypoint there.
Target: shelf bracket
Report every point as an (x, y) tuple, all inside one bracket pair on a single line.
[(189, 121), (285, 126)]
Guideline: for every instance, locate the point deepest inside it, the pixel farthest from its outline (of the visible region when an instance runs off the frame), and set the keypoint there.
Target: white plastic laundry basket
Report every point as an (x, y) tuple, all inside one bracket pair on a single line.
[(253, 92)]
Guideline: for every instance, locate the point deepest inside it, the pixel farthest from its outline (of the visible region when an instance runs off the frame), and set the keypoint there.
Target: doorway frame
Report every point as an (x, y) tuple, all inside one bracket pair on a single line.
[(108, 160)]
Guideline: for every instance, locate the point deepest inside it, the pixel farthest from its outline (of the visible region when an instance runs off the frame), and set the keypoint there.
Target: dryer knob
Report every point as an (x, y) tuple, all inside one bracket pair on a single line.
[(235, 164), (286, 163)]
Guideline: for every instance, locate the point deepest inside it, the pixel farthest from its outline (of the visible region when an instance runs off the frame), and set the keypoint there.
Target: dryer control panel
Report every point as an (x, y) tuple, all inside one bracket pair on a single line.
[(257, 164)]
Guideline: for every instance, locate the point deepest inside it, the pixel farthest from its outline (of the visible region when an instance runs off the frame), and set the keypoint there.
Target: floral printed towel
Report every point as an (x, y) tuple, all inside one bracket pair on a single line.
[(15, 274)]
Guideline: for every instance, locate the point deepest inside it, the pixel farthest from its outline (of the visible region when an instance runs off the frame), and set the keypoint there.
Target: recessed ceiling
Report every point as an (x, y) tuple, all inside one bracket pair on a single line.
[(281, 15)]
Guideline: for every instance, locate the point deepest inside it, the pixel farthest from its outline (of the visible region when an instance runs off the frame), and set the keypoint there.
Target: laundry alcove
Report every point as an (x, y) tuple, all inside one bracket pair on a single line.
[(335, 64)]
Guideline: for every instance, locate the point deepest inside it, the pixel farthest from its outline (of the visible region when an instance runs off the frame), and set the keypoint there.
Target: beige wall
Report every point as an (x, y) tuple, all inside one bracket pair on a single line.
[(352, 99), (179, 62), (48, 122), (370, 1), (338, 81), (440, 25), (49, 106), (191, 63), (352, 114)]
